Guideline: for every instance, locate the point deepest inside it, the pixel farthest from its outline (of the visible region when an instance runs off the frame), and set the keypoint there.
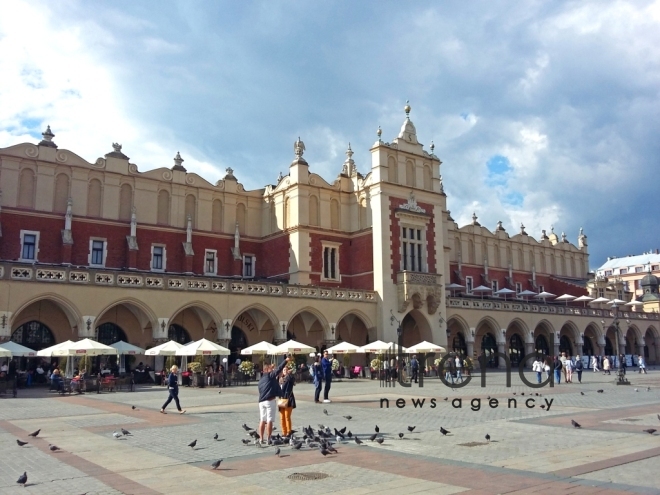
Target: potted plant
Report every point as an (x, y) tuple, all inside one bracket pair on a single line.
[(246, 367), (347, 363), (195, 368), (376, 365)]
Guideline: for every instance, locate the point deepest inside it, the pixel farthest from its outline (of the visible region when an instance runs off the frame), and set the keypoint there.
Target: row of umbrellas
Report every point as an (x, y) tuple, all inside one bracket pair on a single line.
[(294, 347), (545, 295)]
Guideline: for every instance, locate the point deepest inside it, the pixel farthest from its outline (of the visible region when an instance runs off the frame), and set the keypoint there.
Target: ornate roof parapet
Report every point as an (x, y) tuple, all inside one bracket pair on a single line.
[(348, 168), (48, 138), (116, 153), (411, 205), (177, 163)]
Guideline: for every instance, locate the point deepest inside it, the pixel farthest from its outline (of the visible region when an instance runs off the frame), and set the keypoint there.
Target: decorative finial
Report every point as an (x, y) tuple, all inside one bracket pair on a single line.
[(379, 133), (407, 109), (543, 236), (177, 163), (349, 151), (48, 138), (299, 148), (563, 237), (499, 226), (581, 231), (116, 147), (432, 147), (474, 218), (552, 229), (522, 229), (230, 173), (280, 177)]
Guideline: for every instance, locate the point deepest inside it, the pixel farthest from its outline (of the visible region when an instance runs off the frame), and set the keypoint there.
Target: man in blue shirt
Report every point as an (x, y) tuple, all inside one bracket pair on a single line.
[(326, 365)]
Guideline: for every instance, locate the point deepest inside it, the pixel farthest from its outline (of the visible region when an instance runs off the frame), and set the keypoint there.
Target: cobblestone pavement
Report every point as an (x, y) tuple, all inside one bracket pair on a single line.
[(531, 450)]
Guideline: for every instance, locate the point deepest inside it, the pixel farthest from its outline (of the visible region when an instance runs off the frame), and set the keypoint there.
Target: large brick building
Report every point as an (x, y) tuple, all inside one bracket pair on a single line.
[(103, 250)]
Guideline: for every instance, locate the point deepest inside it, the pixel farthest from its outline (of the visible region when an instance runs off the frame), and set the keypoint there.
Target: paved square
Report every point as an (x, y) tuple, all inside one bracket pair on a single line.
[(532, 450)]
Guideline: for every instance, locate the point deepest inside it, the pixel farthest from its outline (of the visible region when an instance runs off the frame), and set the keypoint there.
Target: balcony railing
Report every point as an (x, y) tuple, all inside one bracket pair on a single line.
[(175, 282)]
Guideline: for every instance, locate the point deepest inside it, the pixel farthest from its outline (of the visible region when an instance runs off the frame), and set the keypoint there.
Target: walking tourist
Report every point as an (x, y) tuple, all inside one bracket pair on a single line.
[(546, 367), (269, 391), (317, 378), (579, 366), (641, 364), (563, 365), (414, 368), (459, 365), (568, 366), (606, 366), (173, 388), (557, 367), (537, 367), (326, 365), (594, 363), (288, 401)]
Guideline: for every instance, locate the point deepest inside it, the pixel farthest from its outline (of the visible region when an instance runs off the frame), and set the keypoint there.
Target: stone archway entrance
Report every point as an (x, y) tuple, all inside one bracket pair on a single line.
[(541, 345), (609, 348), (587, 347), (34, 335), (415, 329), (516, 349), (489, 348), (458, 344), (238, 342), (565, 346)]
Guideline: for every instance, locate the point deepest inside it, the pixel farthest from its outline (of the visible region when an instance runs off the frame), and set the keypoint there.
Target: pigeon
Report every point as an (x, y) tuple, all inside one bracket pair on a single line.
[(20, 444), (575, 424), (537, 394), (332, 449), (34, 433), (377, 430), (245, 441), (373, 437), (581, 393), (348, 417), (600, 391), (22, 479), (658, 416), (192, 444), (134, 408), (401, 436), (358, 441), (53, 448), (443, 431), (297, 445), (215, 437), (324, 452), (349, 434), (277, 452), (411, 428), (338, 438), (487, 437), (379, 440), (648, 389), (126, 432), (522, 393), (343, 430), (325, 411), (246, 427), (216, 464), (446, 399), (650, 431), (116, 434)]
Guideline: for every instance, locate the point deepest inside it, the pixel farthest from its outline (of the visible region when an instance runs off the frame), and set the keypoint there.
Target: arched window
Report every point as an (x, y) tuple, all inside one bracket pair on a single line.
[(191, 209), (334, 215), (428, 176), (94, 198), (392, 172), (240, 218), (125, 202), (61, 193), (458, 344), (216, 216), (109, 333), (410, 173), (516, 349), (237, 343), (364, 222), (313, 210), (178, 334), (541, 345), (26, 189), (609, 348), (163, 207), (565, 345), (587, 347), (489, 347), (34, 335)]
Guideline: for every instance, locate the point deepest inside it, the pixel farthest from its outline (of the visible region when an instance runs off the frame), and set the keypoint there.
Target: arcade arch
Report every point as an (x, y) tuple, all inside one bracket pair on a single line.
[(62, 316), (198, 319), (308, 327), (134, 318), (516, 336), (651, 346), (486, 340), (415, 328)]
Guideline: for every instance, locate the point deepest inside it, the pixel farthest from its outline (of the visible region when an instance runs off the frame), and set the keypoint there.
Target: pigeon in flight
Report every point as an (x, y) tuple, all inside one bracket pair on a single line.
[(216, 464), (411, 428), (348, 417), (443, 431), (377, 429), (34, 433), (358, 441), (277, 452), (401, 436), (22, 479), (650, 431), (20, 444), (343, 430), (126, 432), (487, 437), (575, 424), (116, 434), (380, 440), (658, 416), (53, 448), (192, 444), (215, 437)]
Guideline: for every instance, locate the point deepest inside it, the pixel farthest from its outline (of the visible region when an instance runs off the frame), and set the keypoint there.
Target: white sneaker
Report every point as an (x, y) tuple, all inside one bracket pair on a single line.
[(327, 401)]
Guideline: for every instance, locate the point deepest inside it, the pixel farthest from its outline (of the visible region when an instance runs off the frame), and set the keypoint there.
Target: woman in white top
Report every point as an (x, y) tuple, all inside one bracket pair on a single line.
[(537, 366), (594, 363), (640, 363)]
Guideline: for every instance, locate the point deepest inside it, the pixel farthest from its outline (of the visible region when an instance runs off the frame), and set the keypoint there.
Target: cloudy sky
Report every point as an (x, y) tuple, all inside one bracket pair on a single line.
[(545, 113)]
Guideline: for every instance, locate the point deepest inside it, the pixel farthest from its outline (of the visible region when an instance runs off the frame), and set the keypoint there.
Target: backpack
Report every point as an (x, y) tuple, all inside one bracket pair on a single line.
[(578, 365)]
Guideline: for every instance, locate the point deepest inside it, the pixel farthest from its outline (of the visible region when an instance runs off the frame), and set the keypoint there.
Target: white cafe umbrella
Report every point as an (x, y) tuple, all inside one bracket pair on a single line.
[(166, 349), (5, 353), (85, 347), (527, 293), (584, 299), (616, 301), (345, 348), (203, 347), (454, 287), (260, 348), (292, 347), (16, 350), (600, 300), (544, 295), (378, 347), (48, 351), (631, 303), (504, 292), (424, 347), (481, 289), (124, 349), (566, 297)]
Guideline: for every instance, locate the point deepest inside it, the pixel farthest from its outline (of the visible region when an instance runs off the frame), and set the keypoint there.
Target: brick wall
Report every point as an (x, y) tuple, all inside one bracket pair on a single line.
[(355, 258)]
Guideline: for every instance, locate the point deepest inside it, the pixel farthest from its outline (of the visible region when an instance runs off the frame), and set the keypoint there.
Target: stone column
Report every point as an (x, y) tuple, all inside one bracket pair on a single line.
[(556, 348), (501, 347), (640, 350)]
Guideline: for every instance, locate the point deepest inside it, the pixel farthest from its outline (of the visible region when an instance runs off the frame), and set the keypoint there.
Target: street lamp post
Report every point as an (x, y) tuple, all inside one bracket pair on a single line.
[(621, 377)]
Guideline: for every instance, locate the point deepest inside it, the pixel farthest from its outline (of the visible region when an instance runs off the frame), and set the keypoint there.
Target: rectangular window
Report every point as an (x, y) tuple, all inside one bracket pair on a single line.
[(249, 262), (608, 273), (639, 269), (469, 285), (157, 255), (495, 286), (619, 294), (518, 287), (331, 262), (413, 250), (97, 252), (626, 287), (601, 292), (541, 288), (29, 245), (623, 271), (210, 262), (655, 268)]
